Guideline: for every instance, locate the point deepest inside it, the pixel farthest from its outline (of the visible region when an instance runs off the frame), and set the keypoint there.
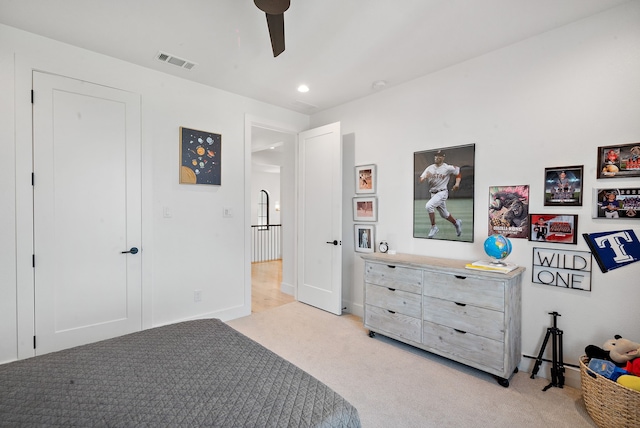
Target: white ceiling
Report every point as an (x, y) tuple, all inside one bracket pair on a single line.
[(337, 47)]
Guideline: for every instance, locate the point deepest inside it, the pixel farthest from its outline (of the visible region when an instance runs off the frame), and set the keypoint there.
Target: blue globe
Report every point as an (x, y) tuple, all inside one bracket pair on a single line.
[(498, 247)]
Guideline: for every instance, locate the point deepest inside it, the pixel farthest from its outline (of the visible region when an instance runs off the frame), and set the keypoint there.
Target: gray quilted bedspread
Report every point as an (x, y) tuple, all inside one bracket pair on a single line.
[(195, 373)]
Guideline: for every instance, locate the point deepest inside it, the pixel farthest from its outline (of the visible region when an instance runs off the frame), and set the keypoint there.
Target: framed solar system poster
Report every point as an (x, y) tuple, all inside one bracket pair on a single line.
[(200, 157)]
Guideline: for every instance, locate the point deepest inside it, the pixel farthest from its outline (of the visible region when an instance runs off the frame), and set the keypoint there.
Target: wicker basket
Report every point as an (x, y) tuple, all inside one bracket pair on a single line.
[(609, 404)]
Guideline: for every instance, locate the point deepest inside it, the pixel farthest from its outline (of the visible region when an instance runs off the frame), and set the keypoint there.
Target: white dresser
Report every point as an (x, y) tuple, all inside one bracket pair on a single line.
[(469, 316)]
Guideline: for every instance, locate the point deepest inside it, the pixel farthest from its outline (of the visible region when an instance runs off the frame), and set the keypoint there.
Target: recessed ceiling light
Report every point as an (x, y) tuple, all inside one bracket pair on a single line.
[(303, 88)]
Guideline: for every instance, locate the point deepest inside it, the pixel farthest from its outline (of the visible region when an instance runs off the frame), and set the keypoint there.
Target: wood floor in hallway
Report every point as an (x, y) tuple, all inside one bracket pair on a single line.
[(266, 278)]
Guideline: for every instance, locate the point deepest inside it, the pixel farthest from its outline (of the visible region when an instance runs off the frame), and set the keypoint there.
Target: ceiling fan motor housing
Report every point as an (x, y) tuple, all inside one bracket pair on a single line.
[(273, 7)]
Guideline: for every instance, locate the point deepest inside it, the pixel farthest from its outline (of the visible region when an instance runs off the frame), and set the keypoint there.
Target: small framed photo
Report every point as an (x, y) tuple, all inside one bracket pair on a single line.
[(364, 238), (619, 161), (555, 228), (366, 179), (563, 186), (365, 208), (615, 203)]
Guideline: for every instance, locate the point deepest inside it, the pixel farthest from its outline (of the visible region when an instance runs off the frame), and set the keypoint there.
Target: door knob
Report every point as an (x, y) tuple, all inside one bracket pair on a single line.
[(133, 250), (334, 242)]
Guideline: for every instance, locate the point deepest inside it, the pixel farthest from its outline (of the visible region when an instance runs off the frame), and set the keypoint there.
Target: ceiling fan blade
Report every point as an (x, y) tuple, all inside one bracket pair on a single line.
[(276, 32)]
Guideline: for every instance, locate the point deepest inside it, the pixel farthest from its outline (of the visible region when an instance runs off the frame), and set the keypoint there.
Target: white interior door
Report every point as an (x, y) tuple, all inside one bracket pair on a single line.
[(87, 211), (320, 218)]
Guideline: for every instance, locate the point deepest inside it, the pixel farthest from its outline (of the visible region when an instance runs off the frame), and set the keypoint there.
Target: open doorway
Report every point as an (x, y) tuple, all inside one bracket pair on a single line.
[(272, 158)]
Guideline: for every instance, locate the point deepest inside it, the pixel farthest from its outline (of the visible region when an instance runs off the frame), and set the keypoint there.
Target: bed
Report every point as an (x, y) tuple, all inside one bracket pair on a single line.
[(194, 373)]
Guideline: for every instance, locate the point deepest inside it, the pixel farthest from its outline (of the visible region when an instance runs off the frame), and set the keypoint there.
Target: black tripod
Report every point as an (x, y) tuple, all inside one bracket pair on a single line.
[(557, 369)]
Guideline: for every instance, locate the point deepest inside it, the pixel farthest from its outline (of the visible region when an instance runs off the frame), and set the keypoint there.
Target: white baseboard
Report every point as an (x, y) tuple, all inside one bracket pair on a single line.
[(287, 289), (571, 374), (355, 309)]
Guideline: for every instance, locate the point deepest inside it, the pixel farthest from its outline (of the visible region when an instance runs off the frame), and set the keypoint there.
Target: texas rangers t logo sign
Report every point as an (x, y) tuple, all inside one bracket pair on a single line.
[(613, 249)]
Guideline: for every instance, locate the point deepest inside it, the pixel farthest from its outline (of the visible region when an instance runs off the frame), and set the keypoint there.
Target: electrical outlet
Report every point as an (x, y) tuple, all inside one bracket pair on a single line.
[(197, 296)]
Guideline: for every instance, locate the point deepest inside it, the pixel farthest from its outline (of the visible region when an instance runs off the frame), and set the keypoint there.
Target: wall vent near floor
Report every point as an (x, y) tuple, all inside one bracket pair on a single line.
[(172, 59)]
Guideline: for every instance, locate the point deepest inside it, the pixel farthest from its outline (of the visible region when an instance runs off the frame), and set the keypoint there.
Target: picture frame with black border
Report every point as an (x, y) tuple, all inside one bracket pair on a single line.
[(459, 203), (553, 228), (366, 179), (365, 208), (614, 203), (618, 161), (364, 238), (563, 185)]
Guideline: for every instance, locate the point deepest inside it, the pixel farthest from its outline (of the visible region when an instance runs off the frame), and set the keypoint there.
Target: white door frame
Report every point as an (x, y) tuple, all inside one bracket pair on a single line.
[(25, 295), (254, 121)]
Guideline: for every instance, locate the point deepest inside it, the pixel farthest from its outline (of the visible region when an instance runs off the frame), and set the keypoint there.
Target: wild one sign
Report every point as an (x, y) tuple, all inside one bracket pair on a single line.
[(560, 268)]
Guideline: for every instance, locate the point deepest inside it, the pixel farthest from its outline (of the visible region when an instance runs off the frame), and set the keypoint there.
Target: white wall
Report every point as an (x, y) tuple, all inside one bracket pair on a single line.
[(547, 101), (196, 248)]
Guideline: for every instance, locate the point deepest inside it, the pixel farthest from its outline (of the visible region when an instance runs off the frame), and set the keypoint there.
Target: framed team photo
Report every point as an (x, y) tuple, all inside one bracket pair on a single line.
[(616, 203), (366, 179), (553, 228), (619, 161), (563, 186), (443, 193)]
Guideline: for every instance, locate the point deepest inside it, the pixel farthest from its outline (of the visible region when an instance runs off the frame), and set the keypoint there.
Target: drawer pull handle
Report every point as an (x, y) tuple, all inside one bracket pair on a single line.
[(460, 304), (391, 312), (460, 331), (460, 277), (391, 289), (391, 267)]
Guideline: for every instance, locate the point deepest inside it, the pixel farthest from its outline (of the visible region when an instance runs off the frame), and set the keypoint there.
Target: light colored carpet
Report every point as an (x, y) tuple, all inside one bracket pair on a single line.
[(395, 385)]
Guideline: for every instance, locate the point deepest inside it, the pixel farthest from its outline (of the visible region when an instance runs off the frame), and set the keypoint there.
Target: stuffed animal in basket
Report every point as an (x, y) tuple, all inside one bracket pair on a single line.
[(623, 352), (630, 381)]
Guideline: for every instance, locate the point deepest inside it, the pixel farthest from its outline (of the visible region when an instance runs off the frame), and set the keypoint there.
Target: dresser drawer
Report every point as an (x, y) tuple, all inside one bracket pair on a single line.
[(400, 325), (472, 319), (394, 300), (476, 291), (398, 277), (463, 345)]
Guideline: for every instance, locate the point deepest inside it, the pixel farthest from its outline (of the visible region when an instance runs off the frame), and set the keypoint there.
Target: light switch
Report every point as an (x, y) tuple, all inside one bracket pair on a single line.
[(166, 212)]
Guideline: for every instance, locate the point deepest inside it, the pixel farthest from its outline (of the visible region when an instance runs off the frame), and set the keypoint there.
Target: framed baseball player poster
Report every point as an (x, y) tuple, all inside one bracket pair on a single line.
[(443, 191)]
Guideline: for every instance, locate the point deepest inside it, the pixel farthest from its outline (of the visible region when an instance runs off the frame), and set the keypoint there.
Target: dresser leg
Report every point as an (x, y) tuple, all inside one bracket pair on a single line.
[(372, 333), (503, 382)]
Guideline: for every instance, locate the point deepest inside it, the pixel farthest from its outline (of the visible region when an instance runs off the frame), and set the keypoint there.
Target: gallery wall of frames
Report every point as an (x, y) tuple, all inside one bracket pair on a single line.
[(443, 207)]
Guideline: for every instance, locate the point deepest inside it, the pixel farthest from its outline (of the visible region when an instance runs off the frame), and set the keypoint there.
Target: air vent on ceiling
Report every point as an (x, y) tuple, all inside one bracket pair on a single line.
[(171, 59)]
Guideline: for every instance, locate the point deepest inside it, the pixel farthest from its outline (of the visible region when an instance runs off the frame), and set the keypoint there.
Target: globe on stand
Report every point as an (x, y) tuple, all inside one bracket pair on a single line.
[(498, 247)]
